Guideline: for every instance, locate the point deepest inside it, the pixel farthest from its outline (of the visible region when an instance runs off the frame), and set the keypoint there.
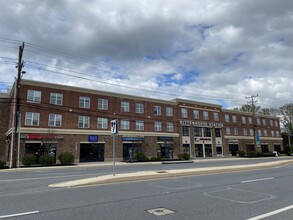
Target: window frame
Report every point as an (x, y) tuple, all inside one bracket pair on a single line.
[(184, 112), (124, 124), (57, 117), (84, 102), (157, 126), (55, 98), (85, 121), (157, 110), (139, 108), (139, 125), (102, 123), (125, 106), (103, 104), (36, 97), (169, 111), (32, 119)]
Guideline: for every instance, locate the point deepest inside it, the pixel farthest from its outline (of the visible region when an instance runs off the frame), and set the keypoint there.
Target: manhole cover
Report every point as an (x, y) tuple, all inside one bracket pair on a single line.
[(160, 211)]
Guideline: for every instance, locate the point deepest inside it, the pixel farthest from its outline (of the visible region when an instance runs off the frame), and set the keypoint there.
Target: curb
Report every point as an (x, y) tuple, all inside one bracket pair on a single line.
[(128, 177)]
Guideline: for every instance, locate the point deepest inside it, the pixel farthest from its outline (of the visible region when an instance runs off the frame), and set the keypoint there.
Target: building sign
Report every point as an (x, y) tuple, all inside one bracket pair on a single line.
[(164, 138), (42, 136), (132, 138), (202, 139), (93, 138), (233, 141), (202, 123)]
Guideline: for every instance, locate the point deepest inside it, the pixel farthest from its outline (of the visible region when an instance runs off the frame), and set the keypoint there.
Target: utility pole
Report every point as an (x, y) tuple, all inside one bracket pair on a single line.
[(253, 100), (16, 153)]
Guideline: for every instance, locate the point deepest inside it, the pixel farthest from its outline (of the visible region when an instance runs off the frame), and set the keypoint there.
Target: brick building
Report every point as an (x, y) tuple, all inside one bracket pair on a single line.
[(57, 118), (4, 112)]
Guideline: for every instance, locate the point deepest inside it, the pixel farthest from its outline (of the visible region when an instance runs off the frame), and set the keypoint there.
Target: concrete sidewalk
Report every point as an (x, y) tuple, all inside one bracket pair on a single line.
[(126, 177)]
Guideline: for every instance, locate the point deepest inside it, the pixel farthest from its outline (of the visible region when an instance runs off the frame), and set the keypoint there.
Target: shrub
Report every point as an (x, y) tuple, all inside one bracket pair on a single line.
[(141, 157), (66, 158), (47, 159), (269, 154), (241, 153), (251, 154), (184, 156), (154, 159), (288, 153), (2, 163), (29, 160)]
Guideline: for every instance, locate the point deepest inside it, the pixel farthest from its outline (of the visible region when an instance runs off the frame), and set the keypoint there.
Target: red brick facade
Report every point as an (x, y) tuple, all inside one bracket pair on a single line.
[(160, 128)]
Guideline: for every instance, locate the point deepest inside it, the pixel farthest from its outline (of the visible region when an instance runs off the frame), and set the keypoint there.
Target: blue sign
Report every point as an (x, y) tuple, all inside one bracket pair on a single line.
[(257, 139), (93, 138), (132, 138)]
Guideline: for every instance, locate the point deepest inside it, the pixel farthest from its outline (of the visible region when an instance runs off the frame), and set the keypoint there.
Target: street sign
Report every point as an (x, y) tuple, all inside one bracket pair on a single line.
[(114, 127)]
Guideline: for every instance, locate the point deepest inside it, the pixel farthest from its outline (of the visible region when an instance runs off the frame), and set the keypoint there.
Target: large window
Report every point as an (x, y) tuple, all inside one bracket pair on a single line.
[(234, 119), (251, 132), (158, 126), (235, 131), (157, 110), (264, 122), (124, 124), (84, 102), (32, 118), (250, 120), (170, 127), (244, 131), (102, 123), (205, 115), (195, 114), (228, 131), (103, 104), (265, 133), (139, 125), (34, 96), (56, 98), (83, 121), (124, 106), (259, 132), (139, 108), (273, 133), (227, 118), (197, 131), (207, 132), (185, 131), (184, 113), (243, 120), (216, 116), (169, 111), (55, 120)]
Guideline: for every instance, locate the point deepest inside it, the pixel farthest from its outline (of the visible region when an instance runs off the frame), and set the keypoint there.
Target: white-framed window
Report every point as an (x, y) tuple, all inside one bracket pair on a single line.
[(184, 113), (235, 131), (244, 131), (234, 119), (271, 123), (277, 133), (170, 127), (273, 133), (265, 133), (34, 96), (243, 120), (157, 110), (205, 115), (276, 123), (169, 111), (158, 126), (56, 98), (102, 123), (216, 116), (259, 133), (32, 119), (83, 121), (124, 106), (227, 118), (250, 120), (55, 120), (251, 132), (228, 131), (264, 121), (139, 125), (258, 121), (102, 104), (139, 108), (195, 114), (84, 102), (124, 124)]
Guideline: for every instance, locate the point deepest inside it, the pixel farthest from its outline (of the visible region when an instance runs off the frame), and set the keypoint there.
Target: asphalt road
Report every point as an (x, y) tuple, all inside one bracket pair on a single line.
[(237, 195)]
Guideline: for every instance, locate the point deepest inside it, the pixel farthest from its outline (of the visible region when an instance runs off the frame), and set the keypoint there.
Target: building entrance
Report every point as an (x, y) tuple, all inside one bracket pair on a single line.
[(92, 152), (130, 151), (39, 149)]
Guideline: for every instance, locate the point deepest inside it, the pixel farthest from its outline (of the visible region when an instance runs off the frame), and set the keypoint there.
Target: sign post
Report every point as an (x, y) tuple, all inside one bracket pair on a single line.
[(114, 133)]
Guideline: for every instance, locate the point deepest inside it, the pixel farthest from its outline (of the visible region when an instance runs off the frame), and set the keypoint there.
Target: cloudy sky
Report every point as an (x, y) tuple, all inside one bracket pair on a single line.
[(215, 51)]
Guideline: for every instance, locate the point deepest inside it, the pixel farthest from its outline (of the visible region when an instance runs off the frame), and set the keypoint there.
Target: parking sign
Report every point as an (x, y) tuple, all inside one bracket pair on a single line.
[(114, 127)]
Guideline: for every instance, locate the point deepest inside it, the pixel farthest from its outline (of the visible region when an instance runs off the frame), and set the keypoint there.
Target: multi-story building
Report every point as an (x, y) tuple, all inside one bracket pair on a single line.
[(57, 118), (4, 112)]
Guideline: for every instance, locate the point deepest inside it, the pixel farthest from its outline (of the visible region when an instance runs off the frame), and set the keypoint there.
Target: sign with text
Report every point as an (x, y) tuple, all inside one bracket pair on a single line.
[(114, 127), (93, 138)]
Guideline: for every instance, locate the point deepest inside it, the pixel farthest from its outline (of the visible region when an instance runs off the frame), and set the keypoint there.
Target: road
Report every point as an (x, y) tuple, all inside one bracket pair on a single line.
[(237, 195)]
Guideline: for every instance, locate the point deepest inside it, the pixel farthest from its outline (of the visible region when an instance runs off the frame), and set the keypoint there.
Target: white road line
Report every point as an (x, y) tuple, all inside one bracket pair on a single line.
[(271, 213), (249, 181), (19, 214)]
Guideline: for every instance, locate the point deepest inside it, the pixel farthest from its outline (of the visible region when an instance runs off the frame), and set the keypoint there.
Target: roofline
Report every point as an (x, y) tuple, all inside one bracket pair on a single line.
[(249, 113), (197, 103), (92, 91)]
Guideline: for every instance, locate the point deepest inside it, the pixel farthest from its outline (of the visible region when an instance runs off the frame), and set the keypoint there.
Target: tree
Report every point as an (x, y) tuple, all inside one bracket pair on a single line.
[(248, 108), (286, 113)]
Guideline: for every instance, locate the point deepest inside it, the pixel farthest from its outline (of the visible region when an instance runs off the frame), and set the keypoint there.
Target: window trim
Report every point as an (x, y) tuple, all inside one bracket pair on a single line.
[(34, 96), (83, 121), (84, 101), (55, 120), (32, 119), (57, 95)]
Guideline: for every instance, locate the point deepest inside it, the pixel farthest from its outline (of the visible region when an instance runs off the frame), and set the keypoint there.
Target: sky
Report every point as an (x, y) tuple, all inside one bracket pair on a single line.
[(214, 51)]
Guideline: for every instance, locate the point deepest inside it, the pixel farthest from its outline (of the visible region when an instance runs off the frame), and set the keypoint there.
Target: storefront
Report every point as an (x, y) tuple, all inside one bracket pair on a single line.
[(92, 152), (165, 147), (131, 146)]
